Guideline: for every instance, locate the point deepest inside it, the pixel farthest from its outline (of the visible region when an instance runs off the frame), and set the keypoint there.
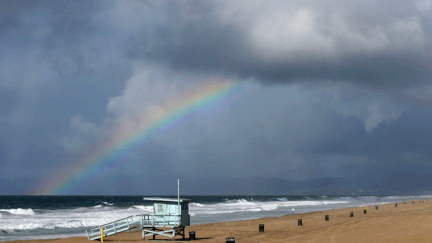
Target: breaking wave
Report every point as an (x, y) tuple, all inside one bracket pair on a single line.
[(19, 211)]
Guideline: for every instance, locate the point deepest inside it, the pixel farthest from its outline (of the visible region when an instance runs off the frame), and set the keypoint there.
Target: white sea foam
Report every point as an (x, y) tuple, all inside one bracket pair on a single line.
[(69, 218), (196, 205), (109, 204), (401, 198), (19, 211), (243, 205), (146, 209)]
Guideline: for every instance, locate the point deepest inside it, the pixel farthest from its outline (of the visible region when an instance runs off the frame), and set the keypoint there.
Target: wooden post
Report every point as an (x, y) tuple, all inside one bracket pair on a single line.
[(178, 197)]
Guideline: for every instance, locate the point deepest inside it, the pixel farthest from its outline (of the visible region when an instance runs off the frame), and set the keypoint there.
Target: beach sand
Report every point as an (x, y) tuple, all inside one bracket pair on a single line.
[(404, 223)]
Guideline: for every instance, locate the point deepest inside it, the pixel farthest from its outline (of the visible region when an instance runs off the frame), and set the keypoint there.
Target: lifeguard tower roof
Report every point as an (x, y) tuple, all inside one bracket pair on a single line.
[(166, 199)]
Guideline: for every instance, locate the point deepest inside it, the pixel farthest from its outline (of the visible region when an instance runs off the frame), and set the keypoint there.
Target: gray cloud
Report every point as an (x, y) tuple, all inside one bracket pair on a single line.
[(282, 42), (50, 71), (335, 90), (83, 134)]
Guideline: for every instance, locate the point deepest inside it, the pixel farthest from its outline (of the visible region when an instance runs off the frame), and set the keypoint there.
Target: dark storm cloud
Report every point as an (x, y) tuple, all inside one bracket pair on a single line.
[(71, 71), (59, 29), (379, 44), (59, 12), (9, 17), (53, 67), (408, 135), (244, 153)]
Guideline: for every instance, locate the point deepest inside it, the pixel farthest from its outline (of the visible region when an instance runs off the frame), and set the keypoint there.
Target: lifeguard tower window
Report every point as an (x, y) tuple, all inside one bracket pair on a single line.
[(166, 208)]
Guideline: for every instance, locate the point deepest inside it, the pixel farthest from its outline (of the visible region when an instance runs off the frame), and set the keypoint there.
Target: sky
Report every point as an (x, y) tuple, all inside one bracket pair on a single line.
[(126, 97)]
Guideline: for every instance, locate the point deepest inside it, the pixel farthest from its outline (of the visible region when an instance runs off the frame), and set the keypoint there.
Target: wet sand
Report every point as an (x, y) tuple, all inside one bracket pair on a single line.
[(404, 223)]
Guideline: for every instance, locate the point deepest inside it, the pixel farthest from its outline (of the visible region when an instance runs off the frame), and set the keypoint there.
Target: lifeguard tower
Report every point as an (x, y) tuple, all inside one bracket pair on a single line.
[(168, 213)]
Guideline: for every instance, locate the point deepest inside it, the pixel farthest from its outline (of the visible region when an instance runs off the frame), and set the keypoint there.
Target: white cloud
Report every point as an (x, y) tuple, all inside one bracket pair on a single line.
[(82, 127), (319, 30), (284, 35), (373, 107), (147, 86), (73, 144), (407, 34), (423, 5), (380, 111), (82, 134), (150, 93)]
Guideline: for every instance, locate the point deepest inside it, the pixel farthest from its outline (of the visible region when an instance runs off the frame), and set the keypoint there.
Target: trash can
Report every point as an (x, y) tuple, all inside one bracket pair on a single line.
[(299, 222), (192, 235)]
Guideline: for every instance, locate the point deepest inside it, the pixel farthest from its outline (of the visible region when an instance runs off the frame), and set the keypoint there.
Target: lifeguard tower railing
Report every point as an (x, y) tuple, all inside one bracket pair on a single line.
[(115, 227), (142, 221), (152, 220)]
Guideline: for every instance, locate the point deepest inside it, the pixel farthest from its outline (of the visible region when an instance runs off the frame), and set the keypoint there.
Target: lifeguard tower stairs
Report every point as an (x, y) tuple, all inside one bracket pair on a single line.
[(170, 218)]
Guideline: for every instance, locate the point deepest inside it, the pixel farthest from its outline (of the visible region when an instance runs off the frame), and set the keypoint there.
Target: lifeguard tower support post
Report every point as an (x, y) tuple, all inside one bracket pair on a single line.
[(168, 213)]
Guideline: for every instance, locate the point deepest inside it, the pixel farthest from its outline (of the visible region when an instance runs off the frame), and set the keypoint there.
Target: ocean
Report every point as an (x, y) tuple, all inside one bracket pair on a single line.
[(46, 217)]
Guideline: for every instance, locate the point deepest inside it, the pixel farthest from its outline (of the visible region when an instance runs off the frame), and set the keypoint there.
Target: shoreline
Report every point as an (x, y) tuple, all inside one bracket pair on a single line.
[(404, 223)]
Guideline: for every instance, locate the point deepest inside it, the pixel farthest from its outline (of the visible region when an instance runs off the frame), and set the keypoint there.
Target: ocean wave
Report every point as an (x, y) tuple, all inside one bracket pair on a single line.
[(196, 204), (75, 224), (19, 211), (407, 197), (108, 204), (243, 205), (59, 222), (141, 207), (17, 227), (379, 198), (98, 206)]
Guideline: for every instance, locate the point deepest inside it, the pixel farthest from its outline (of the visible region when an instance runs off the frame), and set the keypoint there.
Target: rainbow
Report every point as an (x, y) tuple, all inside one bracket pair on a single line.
[(129, 136)]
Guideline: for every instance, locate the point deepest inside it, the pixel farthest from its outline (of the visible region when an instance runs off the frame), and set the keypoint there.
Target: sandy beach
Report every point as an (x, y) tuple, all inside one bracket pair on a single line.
[(404, 223)]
